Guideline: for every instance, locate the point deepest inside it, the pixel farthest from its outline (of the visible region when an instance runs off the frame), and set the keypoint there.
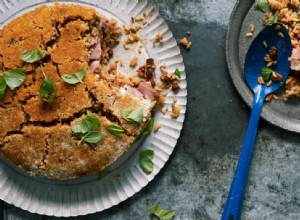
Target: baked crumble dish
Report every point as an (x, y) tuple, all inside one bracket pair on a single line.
[(65, 110)]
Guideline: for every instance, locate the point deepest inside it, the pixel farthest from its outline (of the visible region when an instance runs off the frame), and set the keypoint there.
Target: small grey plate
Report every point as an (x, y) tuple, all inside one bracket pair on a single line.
[(282, 114)]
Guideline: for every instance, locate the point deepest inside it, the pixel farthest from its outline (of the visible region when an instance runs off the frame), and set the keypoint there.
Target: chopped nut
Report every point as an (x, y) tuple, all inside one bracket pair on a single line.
[(184, 42), (273, 53), (188, 33), (265, 44), (249, 34), (168, 77), (275, 97), (269, 98), (133, 62), (269, 83), (275, 76), (260, 80), (158, 39), (145, 22), (280, 34), (138, 19), (277, 27), (156, 127), (175, 86), (252, 27), (269, 64), (147, 71), (175, 111), (164, 110)]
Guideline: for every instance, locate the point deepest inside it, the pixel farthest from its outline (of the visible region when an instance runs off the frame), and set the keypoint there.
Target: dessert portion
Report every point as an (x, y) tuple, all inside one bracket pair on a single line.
[(65, 110)]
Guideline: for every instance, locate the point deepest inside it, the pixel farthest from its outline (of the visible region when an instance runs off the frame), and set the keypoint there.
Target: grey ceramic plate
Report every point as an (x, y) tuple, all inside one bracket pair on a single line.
[(283, 114)]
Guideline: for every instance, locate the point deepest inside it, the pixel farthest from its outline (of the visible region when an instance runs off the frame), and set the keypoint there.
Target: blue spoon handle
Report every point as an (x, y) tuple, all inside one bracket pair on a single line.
[(234, 201)]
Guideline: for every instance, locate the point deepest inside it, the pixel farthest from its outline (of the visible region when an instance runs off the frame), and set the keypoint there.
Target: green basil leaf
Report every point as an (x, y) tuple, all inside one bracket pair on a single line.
[(161, 214), (89, 123), (14, 78), (31, 56), (74, 78), (47, 89), (133, 115), (146, 157), (148, 129), (91, 137), (2, 87), (266, 73), (116, 130), (272, 19), (261, 5), (177, 73)]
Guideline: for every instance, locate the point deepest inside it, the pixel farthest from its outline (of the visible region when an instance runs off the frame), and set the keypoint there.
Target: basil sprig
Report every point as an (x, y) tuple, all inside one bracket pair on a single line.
[(116, 130), (2, 87), (31, 56), (272, 19), (87, 129), (266, 73), (177, 73), (133, 115), (75, 77), (47, 88), (14, 78), (148, 129), (146, 163), (161, 214), (261, 5)]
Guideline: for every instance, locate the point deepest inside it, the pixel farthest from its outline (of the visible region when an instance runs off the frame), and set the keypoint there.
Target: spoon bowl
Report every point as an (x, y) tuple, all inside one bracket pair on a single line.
[(273, 36)]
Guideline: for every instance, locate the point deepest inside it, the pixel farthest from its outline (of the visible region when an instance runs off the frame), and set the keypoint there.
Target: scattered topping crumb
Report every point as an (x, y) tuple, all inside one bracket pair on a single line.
[(175, 86), (260, 80), (269, 83), (132, 38), (156, 127), (252, 27), (280, 34), (249, 34), (158, 39), (265, 44), (175, 111), (184, 42), (275, 76), (271, 97), (133, 62), (164, 109), (188, 33), (147, 71)]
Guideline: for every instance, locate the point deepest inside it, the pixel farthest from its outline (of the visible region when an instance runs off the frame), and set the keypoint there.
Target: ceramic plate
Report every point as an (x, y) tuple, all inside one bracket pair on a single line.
[(125, 178), (283, 114)]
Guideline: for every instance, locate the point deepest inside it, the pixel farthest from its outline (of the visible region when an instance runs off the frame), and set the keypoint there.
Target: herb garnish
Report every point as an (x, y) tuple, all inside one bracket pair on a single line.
[(266, 73), (116, 130), (87, 129), (74, 78), (14, 78), (146, 163), (2, 87), (31, 56), (133, 115), (261, 5), (177, 73), (148, 129), (47, 88), (272, 19), (161, 214)]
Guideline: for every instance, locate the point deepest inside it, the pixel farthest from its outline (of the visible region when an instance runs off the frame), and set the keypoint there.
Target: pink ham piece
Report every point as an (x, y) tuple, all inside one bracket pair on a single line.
[(93, 65), (94, 40), (295, 59), (134, 92), (96, 54), (148, 91)]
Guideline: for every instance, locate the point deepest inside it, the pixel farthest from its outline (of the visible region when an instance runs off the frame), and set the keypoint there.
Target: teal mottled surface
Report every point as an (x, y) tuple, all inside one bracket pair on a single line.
[(195, 181)]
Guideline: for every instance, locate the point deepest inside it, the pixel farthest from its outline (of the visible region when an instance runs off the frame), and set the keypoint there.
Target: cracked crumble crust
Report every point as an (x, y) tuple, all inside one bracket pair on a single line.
[(37, 136)]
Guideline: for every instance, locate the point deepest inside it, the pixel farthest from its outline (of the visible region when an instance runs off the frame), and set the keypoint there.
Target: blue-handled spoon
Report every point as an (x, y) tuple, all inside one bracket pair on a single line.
[(278, 37)]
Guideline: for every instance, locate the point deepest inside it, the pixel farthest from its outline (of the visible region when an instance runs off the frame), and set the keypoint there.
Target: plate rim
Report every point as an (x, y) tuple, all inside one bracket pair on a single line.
[(234, 66), (24, 198)]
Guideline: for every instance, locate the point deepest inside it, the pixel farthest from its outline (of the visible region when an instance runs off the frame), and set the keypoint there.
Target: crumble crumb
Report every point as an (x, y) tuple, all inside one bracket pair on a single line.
[(188, 33), (133, 62), (156, 127), (175, 111), (164, 109), (184, 42), (158, 39)]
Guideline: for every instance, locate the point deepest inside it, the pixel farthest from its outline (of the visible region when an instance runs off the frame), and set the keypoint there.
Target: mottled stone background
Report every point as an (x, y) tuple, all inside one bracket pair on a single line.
[(195, 181)]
